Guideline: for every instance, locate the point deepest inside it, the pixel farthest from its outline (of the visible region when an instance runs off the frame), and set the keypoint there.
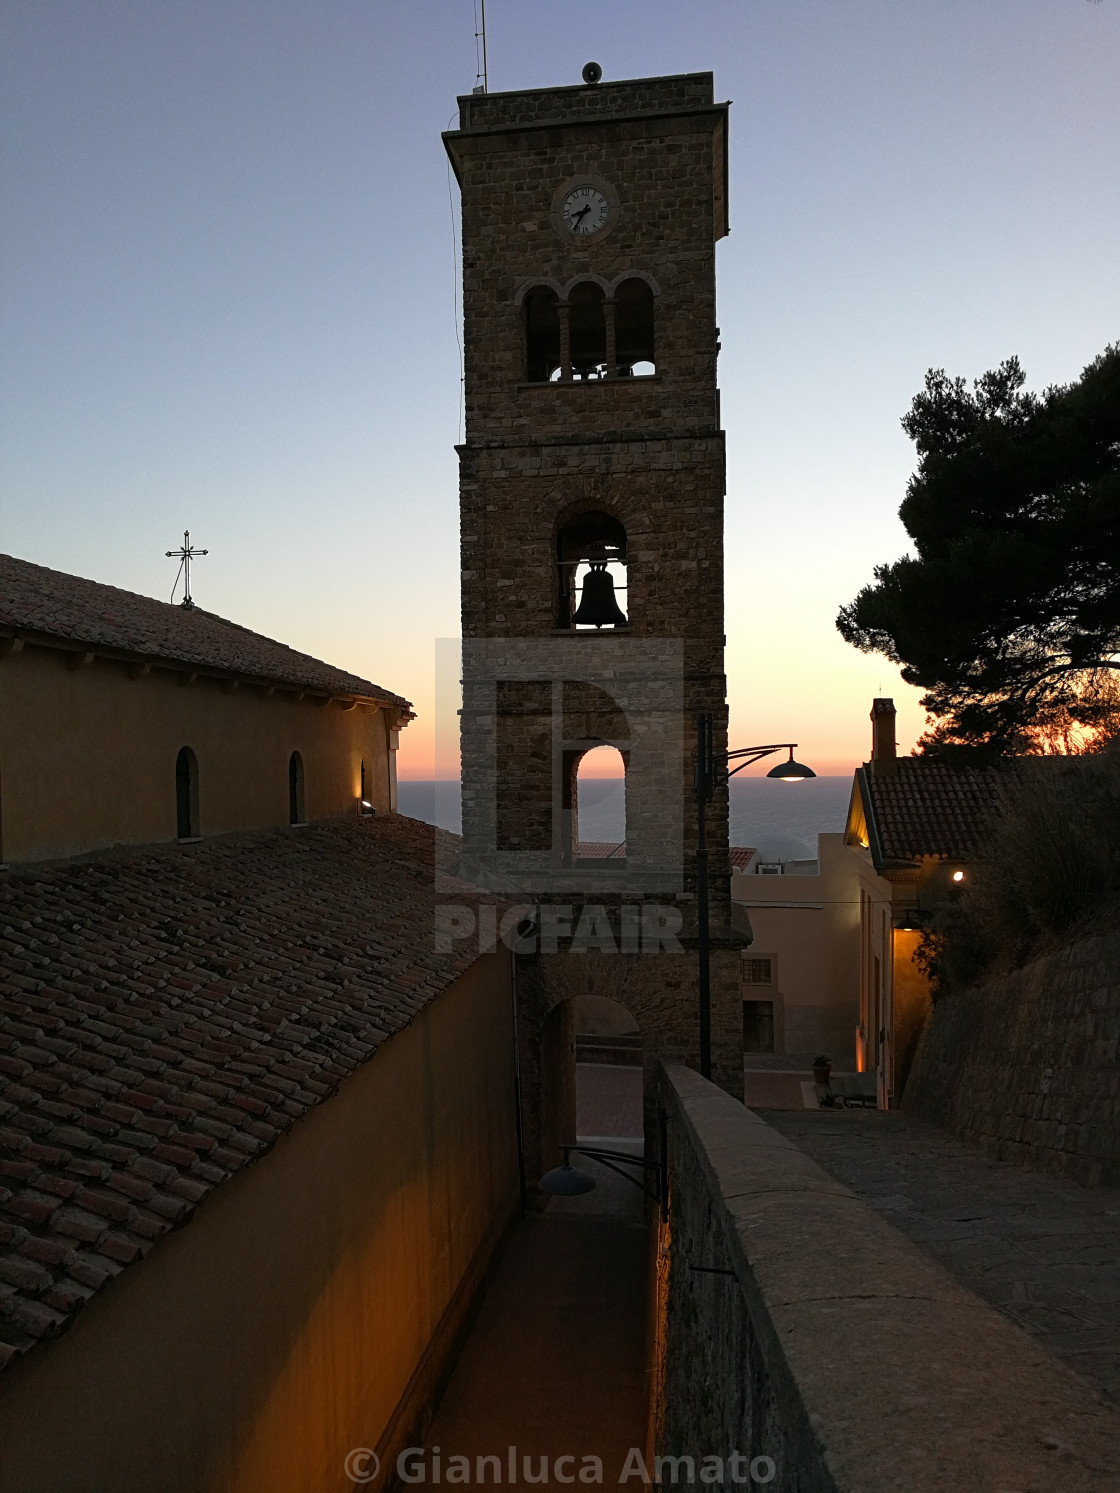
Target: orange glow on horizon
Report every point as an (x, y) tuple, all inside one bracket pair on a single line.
[(814, 690)]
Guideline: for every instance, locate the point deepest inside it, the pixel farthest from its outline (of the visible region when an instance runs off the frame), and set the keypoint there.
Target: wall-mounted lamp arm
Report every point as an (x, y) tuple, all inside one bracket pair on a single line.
[(610, 1160), (565, 1181), (750, 755)]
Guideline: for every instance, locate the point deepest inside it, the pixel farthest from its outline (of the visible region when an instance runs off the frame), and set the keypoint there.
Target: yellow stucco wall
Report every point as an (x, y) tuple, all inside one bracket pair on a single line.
[(809, 925), (249, 1352), (911, 1005), (87, 756), (904, 999), (904, 992)]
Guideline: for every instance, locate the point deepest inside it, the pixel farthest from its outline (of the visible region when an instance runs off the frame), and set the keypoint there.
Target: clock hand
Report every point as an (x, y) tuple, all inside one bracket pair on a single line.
[(580, 214)]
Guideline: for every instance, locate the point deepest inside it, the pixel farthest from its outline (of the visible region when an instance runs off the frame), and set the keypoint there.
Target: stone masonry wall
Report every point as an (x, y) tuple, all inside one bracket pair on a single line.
[(663, 171), (606, 100), (797, 1326), (1026, 1064), (647, 451), (522, 732)]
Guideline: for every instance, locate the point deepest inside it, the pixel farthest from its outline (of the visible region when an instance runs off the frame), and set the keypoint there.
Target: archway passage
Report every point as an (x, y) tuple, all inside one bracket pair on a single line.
[(608, 1053), (590, 1062)]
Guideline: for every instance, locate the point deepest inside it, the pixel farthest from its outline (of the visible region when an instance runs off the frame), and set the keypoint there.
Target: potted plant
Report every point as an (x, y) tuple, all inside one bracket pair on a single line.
[(822, 1068)]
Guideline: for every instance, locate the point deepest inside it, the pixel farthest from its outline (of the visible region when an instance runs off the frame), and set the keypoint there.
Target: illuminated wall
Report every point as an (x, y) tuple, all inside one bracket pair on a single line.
[(311, 1305), (87, 756)]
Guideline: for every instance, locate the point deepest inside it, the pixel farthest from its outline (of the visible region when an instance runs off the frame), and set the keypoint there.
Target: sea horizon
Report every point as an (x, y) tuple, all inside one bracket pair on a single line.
[(781, 820)]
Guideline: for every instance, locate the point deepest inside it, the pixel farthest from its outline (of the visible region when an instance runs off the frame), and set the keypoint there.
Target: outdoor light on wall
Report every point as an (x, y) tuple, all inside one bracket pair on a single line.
[(366, 809), (567, 1181), (707, 761), (958, 876), (787, 772)]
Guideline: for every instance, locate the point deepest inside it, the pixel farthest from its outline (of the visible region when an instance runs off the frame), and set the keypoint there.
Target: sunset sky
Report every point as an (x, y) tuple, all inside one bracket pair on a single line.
[(227, 296)]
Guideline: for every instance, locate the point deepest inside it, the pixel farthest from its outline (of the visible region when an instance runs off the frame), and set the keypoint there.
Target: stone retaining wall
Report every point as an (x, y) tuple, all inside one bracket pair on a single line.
[(797, 1326), (1026, 1064)]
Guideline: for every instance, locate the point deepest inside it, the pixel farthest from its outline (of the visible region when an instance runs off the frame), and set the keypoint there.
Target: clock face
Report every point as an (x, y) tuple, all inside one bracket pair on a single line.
[(585, 210)]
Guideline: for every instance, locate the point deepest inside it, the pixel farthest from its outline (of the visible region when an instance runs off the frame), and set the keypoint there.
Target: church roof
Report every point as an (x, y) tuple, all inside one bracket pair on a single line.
[(166, 1014), (51, 606)]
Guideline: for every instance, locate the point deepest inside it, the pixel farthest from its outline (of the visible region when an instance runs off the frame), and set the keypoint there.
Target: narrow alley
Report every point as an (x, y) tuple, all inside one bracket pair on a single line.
[(555, 1366)]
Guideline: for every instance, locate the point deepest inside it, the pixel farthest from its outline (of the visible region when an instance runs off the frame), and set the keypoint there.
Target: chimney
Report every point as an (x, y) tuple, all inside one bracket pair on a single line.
[(884, 752)]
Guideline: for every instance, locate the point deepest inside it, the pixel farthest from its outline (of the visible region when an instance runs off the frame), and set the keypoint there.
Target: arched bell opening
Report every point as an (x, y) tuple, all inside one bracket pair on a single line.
[(596, 805), (633, 323), (592, 573), (588, 330), (541, 311)]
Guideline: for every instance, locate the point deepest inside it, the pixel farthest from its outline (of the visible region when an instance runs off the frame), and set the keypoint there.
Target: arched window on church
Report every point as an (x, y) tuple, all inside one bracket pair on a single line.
[(542, 334), (365, 792), (598, 808), (588, 324), (591, 572), (633, 328), (295, 789), (186, 795)]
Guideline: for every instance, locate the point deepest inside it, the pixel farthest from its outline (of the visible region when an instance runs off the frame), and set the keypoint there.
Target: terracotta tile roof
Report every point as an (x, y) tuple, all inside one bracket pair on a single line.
[(34, 599), (741, 855), (601, 849), (166, 1014), (927, 808)]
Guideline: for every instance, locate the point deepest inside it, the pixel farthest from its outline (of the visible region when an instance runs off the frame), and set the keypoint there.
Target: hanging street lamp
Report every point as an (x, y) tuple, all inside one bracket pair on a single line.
[(568, 1181), (708, 762)]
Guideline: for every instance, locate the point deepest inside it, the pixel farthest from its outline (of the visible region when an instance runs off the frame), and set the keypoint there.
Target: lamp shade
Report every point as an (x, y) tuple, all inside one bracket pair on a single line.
[(791, 771), (566, 1182)]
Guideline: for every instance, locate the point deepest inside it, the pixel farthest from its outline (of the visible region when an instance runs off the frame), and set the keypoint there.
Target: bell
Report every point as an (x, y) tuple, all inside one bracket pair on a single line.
[(597, 606)]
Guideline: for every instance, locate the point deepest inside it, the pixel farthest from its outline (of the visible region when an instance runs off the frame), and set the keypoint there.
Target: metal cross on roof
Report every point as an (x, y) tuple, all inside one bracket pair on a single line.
[(185, 555)]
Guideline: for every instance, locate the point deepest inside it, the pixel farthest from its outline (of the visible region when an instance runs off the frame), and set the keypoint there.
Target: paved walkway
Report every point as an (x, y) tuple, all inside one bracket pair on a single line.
[(555, 1364), (1046, 1253), (783, 1081)]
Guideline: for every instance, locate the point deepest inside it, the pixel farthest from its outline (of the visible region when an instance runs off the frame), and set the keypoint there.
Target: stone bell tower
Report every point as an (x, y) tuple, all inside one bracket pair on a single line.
[(591, 491)]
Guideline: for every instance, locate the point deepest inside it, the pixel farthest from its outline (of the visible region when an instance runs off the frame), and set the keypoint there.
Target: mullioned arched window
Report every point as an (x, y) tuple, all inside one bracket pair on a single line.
[(633, 328), (540, 309), (588, 332)]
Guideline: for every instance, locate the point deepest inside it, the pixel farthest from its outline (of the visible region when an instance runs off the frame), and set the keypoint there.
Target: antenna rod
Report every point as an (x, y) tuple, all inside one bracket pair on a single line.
[(485, 72)]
